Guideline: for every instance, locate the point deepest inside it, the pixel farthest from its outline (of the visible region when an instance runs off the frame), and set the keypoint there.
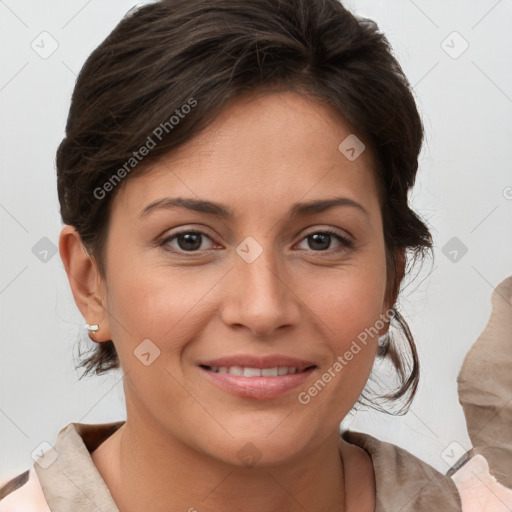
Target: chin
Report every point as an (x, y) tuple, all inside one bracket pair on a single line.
[(272, 440)]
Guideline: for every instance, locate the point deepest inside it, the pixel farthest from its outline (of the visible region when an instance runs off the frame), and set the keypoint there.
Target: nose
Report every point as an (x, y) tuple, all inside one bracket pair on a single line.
[(260, 296)]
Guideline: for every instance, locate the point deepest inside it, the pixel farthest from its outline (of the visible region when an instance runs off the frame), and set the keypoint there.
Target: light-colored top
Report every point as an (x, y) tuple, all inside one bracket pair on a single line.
[(65, 479)]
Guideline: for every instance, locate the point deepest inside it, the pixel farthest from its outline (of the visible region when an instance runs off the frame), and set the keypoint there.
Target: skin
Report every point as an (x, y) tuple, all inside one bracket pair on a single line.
[(178, 449)]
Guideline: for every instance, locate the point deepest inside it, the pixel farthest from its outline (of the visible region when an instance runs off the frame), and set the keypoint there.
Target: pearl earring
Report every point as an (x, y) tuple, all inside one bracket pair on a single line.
[(92, 329)]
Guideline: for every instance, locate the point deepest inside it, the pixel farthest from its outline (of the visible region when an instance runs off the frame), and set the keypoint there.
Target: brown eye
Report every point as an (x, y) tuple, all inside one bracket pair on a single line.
[(186, 241), (321, 241)]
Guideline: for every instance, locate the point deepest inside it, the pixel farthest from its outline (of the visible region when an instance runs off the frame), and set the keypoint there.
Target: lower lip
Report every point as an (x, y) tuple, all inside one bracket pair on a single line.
[(259, 388)]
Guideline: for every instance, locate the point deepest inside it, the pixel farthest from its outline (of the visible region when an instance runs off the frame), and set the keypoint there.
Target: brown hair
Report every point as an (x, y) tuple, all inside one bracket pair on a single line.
[(171, 53)]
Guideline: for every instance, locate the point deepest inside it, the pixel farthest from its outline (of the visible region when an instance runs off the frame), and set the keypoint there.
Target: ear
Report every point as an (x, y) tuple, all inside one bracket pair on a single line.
[(87, 285)]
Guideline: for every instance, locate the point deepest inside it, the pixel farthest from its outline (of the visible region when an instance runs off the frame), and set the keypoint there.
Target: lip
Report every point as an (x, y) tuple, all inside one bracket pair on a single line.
[(257, 388)]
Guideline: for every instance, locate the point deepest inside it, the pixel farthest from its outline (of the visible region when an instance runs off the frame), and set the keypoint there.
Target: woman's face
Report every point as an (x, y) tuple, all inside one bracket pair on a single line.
[(256, 269)]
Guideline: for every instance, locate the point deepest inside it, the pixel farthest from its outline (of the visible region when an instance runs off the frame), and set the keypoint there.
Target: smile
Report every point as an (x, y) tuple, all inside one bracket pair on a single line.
[(257, 379)]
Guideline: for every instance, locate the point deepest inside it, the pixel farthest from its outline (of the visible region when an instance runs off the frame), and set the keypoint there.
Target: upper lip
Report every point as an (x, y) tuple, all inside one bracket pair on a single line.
[(248, 361)]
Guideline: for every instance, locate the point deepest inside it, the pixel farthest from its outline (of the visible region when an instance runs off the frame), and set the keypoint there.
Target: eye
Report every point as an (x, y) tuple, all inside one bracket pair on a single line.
[(319, 241), (187, 241), (193, 241)]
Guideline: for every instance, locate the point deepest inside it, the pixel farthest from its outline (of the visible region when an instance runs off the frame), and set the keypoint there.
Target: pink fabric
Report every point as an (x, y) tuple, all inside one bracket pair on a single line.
[(479, 490), (28, 498)]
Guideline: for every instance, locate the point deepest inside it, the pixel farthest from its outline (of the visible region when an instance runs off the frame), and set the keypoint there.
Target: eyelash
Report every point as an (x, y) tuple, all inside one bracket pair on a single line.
[(345, 242)]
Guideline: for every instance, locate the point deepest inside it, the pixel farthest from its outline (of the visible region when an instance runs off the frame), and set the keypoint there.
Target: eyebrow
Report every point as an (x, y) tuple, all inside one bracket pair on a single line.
[(203, 206)]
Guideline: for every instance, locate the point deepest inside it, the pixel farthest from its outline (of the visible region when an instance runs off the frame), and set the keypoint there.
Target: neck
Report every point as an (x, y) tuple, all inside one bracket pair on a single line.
[(157, 473)]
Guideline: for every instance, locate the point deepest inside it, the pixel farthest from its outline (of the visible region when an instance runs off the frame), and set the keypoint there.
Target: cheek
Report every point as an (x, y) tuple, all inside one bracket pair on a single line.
[(351, 320), (350, 299), (163, 305), (350, 309)]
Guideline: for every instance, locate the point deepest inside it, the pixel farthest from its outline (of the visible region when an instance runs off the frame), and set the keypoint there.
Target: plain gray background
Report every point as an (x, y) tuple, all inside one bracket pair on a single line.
[(463, 192)]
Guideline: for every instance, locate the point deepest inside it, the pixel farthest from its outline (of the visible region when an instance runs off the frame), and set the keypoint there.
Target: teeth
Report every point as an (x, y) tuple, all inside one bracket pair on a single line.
[(252, 372), (236, 370), (277, 371)]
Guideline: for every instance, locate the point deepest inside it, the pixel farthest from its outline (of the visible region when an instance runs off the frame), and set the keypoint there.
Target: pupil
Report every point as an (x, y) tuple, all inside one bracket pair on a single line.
[(318, 238), (191, 241)]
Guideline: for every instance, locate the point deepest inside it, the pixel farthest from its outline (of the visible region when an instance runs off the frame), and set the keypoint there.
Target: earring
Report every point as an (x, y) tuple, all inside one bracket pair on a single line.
[(92, 328)]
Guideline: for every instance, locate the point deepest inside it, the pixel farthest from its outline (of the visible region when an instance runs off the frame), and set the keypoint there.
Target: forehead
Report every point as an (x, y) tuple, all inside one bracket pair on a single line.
[(262, 147)]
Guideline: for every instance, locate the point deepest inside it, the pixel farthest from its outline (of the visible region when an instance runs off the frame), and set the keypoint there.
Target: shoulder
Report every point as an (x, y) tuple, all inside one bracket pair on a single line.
[(406, 483), (23, 493), (403, 481)]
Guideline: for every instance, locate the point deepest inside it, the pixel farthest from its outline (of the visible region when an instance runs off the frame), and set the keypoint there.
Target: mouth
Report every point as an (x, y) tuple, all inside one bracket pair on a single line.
[(276, 371), (261, 380)]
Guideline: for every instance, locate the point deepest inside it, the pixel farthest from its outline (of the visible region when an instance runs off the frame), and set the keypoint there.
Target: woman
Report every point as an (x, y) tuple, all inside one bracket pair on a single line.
[(233, 184)]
